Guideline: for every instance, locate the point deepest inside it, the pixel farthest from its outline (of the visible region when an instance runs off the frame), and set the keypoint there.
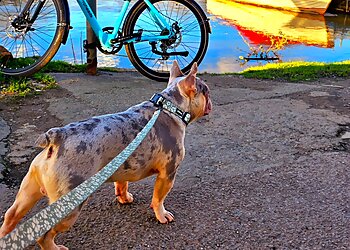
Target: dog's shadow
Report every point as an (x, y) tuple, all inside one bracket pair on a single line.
[(104, 216)]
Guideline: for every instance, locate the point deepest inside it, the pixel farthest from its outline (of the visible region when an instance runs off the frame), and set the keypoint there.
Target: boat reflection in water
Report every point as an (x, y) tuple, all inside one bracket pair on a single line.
[(309, 6), (267, 31)]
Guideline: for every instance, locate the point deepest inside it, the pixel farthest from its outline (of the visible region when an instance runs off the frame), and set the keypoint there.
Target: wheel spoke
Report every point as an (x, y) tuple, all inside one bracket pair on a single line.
[(28, 43), (190, 36), (33, 48)]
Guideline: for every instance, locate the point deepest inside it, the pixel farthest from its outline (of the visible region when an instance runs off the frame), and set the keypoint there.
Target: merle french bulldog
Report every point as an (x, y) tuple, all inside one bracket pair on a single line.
[(75, 152)]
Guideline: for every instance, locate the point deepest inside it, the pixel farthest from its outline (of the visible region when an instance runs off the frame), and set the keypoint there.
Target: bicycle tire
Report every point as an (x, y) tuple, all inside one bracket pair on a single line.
[(139, 10), (30, 49)]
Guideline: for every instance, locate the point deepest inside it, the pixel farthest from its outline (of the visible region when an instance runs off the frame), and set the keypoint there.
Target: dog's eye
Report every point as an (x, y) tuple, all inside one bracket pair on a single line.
[(202, 89), (205, 89), (199, 87)]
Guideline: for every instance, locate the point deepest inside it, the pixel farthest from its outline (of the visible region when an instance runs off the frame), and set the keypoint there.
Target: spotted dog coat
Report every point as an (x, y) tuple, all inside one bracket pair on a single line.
[(73, 153)]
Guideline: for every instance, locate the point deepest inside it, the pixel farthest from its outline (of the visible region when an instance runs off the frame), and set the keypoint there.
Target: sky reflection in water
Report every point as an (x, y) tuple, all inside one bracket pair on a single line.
[(236, 30)]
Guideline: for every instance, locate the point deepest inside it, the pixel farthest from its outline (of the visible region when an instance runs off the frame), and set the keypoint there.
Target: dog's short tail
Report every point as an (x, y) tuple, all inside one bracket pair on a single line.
[(53, 136)]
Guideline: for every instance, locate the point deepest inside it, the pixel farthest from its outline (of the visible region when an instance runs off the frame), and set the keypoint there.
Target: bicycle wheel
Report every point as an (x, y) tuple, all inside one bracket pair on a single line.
[(154, 60), (27, 46)]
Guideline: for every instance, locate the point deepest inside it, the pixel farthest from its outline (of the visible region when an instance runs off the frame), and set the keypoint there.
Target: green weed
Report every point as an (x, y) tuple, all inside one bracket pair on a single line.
[(15, 86), (298, 71), (64, 67)]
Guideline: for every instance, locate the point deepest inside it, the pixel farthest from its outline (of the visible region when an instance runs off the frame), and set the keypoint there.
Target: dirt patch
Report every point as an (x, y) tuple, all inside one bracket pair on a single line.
[(27, 117), (18, 111), (334, 98)]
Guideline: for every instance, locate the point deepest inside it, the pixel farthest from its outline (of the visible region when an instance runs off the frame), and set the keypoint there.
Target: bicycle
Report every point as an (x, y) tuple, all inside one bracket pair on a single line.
[(154, 32)]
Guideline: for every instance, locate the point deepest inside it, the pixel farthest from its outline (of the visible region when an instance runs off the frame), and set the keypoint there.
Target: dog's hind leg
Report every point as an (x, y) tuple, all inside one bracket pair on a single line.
[(47, 240), (27, 196), (121, 191)]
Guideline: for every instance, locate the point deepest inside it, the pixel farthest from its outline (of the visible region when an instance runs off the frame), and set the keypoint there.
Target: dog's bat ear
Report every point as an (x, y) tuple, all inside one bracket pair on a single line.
[(194, 69), (53, 136), (188, 85), (42, 141), (175, 72)]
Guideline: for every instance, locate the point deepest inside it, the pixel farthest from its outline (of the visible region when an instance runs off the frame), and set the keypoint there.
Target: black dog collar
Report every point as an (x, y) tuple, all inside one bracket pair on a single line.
[(161, 102)]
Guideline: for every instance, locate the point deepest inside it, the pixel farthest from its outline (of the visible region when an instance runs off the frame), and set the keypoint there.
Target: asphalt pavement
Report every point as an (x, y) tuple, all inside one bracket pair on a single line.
[(269, 168)]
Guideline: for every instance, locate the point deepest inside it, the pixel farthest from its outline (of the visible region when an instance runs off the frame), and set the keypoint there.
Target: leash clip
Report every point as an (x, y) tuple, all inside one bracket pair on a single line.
[(157, 100), (161, 102)]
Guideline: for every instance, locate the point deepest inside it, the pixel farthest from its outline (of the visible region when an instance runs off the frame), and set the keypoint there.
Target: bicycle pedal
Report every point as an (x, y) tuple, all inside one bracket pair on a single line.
[(108, 29), (87, 46)]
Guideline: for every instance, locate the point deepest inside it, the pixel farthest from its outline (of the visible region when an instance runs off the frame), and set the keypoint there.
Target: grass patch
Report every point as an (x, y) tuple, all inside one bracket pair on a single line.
[(64, 67), (298, 71), (16, 87), (23, 86)]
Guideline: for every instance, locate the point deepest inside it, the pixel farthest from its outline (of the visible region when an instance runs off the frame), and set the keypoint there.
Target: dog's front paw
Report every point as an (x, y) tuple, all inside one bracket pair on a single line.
[(4, 232), (60, 247), (162, 215), (125, 199), (165, 217)]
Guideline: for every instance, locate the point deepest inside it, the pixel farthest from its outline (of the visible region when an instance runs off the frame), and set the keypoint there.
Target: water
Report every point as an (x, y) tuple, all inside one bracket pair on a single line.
[(237, 31)]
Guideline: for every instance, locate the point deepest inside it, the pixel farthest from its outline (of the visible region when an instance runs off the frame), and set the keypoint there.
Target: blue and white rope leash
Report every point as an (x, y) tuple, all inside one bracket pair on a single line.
[(43, 221)]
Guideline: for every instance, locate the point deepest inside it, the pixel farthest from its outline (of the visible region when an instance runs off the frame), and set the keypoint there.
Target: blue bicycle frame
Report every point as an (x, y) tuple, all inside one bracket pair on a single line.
[(105, 38)]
